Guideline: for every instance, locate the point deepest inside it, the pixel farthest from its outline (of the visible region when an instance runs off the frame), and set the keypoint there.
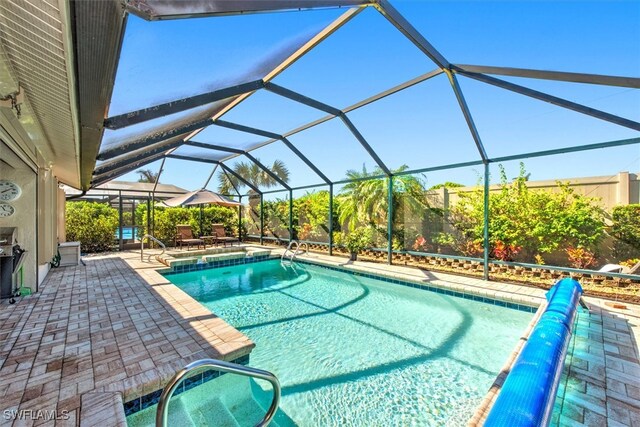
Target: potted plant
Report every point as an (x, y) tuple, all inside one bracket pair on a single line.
[(356, 240)]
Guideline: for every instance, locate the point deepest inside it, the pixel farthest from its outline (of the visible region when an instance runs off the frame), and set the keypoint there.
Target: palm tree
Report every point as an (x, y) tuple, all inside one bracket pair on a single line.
[(365, 201), (147, 175), (252, 173)]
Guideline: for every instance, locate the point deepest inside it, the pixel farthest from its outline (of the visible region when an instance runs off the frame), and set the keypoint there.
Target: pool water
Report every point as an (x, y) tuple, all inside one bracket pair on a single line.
[(128, 233), (350, 350)]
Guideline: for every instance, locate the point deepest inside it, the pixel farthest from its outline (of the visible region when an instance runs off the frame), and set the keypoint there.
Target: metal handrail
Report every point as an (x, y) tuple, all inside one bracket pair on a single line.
[(289, 246), (149, 236), (306, 251), (162, 413)]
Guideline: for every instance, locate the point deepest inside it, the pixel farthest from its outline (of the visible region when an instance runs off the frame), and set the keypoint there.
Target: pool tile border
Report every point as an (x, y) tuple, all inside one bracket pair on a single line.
[(426, 287), (214, 264), (150, 399), (423, 286)]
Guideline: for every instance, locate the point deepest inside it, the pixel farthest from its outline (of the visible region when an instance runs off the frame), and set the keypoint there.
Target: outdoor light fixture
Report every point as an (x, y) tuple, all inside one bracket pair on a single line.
[(13, 100)]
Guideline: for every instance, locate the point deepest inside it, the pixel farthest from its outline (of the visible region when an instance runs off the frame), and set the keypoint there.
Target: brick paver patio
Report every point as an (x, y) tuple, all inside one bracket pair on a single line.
[(101, 332), (98, 335)]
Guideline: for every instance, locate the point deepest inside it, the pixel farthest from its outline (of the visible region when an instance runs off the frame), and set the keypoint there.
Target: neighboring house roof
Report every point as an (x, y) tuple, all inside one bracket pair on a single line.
[(130, 189)]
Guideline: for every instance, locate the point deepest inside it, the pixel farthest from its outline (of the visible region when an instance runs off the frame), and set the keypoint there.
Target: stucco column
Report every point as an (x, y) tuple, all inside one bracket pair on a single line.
[(623, 190)]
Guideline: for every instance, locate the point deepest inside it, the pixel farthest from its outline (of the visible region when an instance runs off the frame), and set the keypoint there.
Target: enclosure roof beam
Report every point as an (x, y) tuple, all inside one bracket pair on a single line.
[(125, 168), (134, 117), (241, 179), (560, 102), (596, 79), (391, 91), (295, 56), (467, 115), (231, 182), (274, 137), (305, 160), (267, 171), (135, 156), (155, 184), (214, 147), (566, 150), (410, 32), (249, 156), (355, 106), (295, 96), (246, 154), (211, 176), (364, 143), (246, 129), (305, 100), (156, 10), (194, 128), (150, 140), (267, 134)]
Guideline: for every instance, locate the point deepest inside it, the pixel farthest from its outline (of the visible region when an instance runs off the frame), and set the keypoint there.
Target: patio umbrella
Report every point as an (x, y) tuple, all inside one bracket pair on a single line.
[(199, 197)]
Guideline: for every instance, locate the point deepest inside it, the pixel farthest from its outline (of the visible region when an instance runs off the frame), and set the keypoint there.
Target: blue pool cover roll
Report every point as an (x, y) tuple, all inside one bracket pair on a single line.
[(528, 394)]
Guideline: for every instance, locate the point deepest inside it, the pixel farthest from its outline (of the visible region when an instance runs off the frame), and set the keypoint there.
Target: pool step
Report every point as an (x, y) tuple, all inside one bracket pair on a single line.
[(236, 393), (213, 412)]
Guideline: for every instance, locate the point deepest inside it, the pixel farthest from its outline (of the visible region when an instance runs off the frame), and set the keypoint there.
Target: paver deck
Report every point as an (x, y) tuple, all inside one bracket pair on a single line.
[(101, 334), (111, 326)]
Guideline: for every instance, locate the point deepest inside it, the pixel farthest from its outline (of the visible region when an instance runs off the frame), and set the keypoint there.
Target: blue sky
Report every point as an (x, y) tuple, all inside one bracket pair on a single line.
[(421, 126)]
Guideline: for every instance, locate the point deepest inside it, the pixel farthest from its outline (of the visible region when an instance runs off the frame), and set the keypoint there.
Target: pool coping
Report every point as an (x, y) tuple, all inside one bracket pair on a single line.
[(482, 411)]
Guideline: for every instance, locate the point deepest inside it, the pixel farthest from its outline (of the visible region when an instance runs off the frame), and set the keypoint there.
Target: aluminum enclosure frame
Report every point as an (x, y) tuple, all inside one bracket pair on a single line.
[(122, 163)]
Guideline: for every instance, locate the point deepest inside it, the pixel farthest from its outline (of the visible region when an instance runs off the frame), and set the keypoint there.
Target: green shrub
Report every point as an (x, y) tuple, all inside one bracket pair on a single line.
[(166, 220), (357, 239), (92, 224), (535, 221), (626, 224)]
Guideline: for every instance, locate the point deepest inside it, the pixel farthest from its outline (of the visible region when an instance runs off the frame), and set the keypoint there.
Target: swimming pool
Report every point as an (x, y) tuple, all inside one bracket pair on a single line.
[(128, 233), (353, 350)]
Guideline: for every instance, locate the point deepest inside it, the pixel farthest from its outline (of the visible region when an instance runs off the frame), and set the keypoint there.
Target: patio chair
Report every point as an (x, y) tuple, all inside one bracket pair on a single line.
[(221, 235), (184, 237), (617, 268)]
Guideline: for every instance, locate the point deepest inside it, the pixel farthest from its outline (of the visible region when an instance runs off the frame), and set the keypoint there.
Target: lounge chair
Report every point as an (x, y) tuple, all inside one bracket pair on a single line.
[(184, 237), (221, 235), (617, 268)]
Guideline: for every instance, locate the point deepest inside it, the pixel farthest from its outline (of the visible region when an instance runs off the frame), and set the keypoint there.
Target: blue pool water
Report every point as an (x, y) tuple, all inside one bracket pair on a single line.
[(128, 233), (351, 350)]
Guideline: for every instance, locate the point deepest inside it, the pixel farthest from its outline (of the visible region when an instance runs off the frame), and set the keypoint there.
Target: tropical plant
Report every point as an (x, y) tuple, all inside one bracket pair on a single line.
[(364, 201), (311, 216), (537, 221), (94, 225), (147, 175), (420, 244), (357, 240), (580, 257), (505, 252)]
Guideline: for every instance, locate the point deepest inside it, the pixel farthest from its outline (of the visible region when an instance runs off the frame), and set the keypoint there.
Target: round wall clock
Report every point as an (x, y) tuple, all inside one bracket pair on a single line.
[(9, 190), (6, 210)]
